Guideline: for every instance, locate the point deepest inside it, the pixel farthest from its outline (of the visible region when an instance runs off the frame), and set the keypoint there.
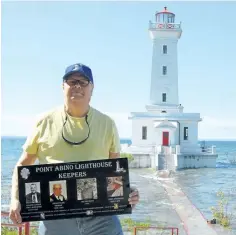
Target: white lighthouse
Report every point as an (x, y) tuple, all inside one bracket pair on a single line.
[(164, 76), (164, 136)]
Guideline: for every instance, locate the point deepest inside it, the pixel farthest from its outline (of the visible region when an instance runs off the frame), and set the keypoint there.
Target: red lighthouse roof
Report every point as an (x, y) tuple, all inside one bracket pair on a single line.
[(165, 11)]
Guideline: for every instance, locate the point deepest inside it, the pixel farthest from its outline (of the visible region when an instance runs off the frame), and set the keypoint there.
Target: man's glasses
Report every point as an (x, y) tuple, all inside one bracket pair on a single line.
[(74, 82)]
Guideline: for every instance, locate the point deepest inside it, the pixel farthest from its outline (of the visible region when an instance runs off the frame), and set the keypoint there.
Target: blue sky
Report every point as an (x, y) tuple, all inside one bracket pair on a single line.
[(39, 39)]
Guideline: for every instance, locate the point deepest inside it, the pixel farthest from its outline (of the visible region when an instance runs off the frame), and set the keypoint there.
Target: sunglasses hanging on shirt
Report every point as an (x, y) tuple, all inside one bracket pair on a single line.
[(75, 143)]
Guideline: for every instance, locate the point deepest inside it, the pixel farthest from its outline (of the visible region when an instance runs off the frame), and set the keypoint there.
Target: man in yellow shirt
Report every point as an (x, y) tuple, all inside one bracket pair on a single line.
[(74, 132)]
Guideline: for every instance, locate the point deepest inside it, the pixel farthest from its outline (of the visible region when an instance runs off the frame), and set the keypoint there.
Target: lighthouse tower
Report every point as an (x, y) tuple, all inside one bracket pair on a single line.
[(165, 34), (164, 136)]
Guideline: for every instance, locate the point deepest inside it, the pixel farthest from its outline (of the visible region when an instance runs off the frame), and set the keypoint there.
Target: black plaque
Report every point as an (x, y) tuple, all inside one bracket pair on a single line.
[(74, 189)]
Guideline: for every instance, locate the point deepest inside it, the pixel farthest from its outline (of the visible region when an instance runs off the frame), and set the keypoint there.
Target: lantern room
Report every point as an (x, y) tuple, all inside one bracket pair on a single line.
[(165, 17)]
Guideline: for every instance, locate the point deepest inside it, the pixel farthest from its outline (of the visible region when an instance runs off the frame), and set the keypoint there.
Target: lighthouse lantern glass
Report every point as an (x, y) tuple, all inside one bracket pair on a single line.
[(165, 18)]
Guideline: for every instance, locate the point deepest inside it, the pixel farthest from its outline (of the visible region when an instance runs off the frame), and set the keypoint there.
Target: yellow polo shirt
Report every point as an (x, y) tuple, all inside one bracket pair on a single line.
[(47, 143)]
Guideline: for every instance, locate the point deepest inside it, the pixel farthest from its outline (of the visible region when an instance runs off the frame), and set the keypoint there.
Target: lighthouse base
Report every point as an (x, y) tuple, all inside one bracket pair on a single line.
[(161, 158)]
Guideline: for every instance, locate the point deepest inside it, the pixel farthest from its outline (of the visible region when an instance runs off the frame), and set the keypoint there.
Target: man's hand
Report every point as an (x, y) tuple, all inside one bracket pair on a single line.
[(14, 214), (133, 197)]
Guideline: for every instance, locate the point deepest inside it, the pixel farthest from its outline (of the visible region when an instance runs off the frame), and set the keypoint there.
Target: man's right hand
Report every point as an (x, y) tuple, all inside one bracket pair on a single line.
[(14, 214)]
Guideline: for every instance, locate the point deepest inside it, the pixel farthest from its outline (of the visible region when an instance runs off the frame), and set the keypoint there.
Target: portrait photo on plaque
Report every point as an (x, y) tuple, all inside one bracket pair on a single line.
[(86, 189), (58, 191), (32, 192), (115, 186)]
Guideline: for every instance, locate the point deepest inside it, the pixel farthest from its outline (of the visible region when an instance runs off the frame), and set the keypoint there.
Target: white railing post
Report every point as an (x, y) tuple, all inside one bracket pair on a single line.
[(177, 149), (213, 149)]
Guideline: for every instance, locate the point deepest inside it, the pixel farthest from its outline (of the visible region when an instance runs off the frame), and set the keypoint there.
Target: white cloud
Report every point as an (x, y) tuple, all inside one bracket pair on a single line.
[(17, 125), (226, 122), (217, 128), (124, 125)]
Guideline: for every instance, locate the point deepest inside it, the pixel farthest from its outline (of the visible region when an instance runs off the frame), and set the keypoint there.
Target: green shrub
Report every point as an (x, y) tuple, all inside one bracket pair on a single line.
[(129, 224), (220, 212), (14, 231), (127, 155)]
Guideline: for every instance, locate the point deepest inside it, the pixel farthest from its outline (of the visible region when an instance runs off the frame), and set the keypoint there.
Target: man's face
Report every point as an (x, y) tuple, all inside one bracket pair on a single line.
[(77, 89), (33, 188), (57, 190)]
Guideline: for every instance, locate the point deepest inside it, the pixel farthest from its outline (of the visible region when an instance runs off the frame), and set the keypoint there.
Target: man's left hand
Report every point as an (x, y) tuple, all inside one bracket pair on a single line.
[(133, 197)]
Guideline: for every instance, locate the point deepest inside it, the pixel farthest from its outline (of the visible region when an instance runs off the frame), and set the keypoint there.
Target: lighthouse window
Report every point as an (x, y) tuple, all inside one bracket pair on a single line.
[(164, 70), (163, 97), (144, 132), (164, 49), (170, 19), (185, 133)]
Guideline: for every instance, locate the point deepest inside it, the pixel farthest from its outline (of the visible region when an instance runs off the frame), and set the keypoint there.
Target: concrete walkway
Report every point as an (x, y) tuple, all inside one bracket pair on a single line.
[(193, 220), (155, 205), (164, 202)]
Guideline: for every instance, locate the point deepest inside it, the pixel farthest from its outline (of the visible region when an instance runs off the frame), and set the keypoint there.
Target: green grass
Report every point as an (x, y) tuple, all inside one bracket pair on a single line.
[(14, 231), (127, 224)]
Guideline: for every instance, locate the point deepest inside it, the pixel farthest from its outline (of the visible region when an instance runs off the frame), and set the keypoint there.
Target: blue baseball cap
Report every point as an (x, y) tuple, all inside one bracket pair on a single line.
[(79, 68)]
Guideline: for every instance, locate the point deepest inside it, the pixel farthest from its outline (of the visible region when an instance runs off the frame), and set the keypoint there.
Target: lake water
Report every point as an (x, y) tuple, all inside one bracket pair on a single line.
[(201, 185)]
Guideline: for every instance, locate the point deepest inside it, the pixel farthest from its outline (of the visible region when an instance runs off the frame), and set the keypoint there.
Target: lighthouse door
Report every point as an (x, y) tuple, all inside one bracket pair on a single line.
[(165, 138)]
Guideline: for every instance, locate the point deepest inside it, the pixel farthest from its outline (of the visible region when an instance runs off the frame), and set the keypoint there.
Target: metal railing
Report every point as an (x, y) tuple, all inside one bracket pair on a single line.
[(164, 25), (206, 149), (23, 229), (144, 231)]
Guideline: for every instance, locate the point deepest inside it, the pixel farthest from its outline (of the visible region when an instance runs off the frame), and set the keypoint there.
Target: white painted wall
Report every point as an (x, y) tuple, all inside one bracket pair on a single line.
[(196, 161), (141, 161), (190, 145), (164, 83), (137, 132), (154, 135), (181, 161)]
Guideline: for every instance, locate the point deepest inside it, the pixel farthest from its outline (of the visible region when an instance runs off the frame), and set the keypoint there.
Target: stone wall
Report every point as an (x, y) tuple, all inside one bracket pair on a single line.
[(188, 161), (141, 161)]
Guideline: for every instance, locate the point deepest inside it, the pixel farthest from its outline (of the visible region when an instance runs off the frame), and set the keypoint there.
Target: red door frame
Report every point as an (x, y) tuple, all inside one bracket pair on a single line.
[(165, 138)]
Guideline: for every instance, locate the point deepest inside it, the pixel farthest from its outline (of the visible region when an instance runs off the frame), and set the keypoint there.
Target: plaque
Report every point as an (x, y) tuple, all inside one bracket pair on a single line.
[(74, 189)]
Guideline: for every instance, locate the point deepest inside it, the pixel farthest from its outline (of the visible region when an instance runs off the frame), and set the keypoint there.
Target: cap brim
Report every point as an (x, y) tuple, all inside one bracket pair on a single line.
[(72, 72)]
